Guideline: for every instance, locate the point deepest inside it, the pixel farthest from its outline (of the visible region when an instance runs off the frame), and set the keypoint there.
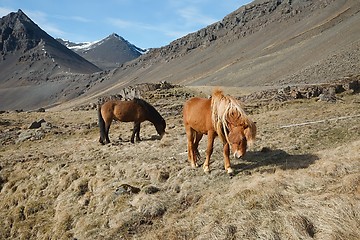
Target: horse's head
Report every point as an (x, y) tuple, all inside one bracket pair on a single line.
[(160, 127), (240, 134), (237, 141)]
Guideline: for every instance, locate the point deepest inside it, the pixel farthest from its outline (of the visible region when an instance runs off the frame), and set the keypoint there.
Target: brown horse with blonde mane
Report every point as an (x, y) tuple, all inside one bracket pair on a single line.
[(221, 116), (136, 110)]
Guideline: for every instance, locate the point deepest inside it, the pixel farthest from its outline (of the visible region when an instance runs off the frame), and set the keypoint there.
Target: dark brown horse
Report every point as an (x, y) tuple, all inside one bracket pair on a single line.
[(221, 116), (136, 110)]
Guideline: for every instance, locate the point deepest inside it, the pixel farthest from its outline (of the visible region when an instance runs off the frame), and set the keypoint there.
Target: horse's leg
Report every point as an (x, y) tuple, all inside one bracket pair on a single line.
[(101, 126), (196, 153), (102, 138), (138, 139), (209, 151), (135, 130), (107, 128), (226, 153), (190, 143)]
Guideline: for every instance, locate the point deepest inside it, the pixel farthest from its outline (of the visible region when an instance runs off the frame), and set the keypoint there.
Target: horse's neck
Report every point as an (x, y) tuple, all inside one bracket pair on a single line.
[(154, 120)]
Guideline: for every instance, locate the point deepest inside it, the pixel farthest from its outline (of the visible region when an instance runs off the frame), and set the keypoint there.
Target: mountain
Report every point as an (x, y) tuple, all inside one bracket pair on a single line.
[(108, 53), (33, 64), (26, 49), (262, 44)]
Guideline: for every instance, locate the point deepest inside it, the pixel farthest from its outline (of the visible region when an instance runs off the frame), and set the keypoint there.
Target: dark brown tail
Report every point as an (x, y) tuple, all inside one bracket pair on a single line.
[(101, 126)]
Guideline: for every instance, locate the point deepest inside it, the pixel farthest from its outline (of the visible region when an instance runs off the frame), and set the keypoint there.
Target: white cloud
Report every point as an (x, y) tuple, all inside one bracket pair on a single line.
[(192, 16), (176, 34), (121, 23), (5, 11), (73, 18), (162, 28), (53, 30), (41, 19), (80, 19)]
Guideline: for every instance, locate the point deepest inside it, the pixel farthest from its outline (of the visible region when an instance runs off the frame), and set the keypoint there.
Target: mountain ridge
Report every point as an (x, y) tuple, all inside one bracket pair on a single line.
[(107, 53)]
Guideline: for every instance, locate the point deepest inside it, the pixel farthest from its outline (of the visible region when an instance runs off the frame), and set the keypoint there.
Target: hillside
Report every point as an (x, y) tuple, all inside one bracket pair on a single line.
[(266, 43), (108, 53)]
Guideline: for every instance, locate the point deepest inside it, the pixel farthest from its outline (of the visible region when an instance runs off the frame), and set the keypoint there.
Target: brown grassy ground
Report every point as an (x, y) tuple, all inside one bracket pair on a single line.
[(301, 182)]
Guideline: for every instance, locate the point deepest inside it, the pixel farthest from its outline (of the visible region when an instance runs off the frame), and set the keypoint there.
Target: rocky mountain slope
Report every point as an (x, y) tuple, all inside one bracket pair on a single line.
[(265, 43), (108, 53), (35, 69), (24, 47)]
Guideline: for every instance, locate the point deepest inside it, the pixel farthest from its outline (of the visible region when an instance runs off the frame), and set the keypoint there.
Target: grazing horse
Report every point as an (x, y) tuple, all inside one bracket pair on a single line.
[(221, 116), (136, 110)]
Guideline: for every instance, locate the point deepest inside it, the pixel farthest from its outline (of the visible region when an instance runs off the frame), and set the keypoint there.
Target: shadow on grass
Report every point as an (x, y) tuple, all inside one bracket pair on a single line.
[(120, 140), (268, 160)]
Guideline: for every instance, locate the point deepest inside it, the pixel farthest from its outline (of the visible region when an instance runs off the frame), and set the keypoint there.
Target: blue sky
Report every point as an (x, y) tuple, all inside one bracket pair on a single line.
[(145, 23)]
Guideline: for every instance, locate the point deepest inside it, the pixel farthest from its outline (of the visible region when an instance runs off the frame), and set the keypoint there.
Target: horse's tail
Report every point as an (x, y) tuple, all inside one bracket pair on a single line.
[(101, 125)]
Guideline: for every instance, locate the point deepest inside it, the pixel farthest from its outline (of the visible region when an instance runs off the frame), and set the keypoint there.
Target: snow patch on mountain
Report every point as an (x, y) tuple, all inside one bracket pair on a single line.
[(85, 46)]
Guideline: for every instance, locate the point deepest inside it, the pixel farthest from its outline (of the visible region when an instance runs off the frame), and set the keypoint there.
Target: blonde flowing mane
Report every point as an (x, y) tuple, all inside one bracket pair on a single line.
[(222, 108)]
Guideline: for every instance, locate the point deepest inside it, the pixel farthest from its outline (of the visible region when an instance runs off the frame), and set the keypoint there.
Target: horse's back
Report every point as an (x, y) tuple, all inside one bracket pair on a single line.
[(196, 108), (124, 111), (197, 114)]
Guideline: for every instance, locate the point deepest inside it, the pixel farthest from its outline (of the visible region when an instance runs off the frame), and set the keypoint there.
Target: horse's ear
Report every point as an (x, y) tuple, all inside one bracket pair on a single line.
[(235, 115)]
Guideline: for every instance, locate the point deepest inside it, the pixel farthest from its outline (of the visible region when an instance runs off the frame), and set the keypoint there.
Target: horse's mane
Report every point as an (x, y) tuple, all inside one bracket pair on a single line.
[(222, 107), (150, 109)]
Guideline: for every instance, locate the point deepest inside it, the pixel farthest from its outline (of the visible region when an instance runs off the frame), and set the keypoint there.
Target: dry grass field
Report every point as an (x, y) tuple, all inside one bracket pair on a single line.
[(297, 182)]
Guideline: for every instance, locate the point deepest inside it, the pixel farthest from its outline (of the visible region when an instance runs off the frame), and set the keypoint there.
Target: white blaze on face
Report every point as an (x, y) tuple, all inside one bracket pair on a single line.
[(237, 154), (238, 149)]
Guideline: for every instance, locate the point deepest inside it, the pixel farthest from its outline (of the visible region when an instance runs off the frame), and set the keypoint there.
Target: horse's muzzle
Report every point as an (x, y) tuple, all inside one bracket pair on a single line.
[(162, 135), (237, 155)]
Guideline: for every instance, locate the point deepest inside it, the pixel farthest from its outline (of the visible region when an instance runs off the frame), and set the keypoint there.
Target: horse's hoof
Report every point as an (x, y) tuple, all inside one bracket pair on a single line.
[(230, 171), (206, 169), (194, 165)]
